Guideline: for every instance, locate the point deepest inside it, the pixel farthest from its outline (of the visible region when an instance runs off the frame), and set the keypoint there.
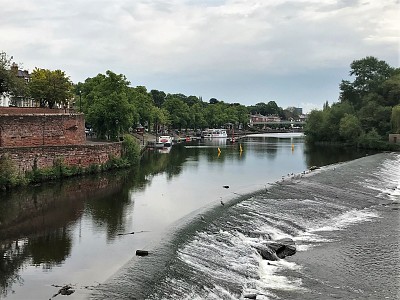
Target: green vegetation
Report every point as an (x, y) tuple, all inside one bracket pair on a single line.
[(49, 88), (367, 112), (8, 173), (112, 107)]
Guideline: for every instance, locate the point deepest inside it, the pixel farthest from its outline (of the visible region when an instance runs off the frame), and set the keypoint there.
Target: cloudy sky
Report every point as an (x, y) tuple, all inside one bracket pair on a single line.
[(294, 52)]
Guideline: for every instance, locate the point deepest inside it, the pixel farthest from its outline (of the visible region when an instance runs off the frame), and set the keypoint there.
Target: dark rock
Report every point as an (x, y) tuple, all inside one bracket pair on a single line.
[(266, 252), (142, 252), (250, 296), (273, 250)]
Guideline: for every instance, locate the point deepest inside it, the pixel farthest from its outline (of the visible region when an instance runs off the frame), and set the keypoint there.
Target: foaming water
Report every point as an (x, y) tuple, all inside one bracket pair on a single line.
[(387, 179), (335, 217)]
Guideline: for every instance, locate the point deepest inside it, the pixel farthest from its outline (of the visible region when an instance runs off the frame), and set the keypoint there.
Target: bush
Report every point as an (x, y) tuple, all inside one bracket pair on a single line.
[(371, 140), (130, 149), (8, 173)]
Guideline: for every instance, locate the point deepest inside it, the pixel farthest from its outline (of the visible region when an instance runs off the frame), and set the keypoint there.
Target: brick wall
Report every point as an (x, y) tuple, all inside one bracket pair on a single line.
[(23, 128), (24, 158)]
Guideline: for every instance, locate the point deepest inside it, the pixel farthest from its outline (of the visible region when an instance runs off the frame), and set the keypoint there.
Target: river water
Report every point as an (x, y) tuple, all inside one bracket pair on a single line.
[(344, 218)]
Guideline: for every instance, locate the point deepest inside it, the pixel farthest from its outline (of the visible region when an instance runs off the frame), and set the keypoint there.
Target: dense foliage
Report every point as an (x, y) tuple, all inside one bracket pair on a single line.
[(112, 108), (10, 84), (49, 88), (367, 111)]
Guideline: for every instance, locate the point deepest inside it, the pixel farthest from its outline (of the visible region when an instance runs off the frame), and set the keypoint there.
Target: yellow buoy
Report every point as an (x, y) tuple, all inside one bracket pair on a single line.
[(241, 149)]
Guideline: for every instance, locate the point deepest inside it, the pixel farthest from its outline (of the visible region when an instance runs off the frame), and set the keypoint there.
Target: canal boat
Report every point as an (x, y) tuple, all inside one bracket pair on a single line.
[(165, 141), (214, 133)]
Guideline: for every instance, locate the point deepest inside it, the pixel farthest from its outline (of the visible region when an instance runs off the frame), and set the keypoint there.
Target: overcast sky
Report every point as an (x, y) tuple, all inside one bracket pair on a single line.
[(248, 51)]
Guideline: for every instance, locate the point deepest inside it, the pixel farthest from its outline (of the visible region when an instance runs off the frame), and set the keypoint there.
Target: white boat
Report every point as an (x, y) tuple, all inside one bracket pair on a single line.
[(165, 140), (214, 133)]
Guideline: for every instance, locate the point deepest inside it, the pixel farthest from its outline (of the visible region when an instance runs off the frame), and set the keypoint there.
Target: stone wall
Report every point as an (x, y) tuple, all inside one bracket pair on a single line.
[(25, 158), (40, 127), (394, 138)]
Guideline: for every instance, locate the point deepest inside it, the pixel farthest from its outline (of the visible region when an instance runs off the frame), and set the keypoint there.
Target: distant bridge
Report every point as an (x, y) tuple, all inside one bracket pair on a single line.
[(299, 123)]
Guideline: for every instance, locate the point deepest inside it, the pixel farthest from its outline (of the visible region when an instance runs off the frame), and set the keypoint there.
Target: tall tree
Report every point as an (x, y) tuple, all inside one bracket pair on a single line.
[(108, 105), (158, 97), (5, 73), (50, 87), (178, 110), (370, 73)]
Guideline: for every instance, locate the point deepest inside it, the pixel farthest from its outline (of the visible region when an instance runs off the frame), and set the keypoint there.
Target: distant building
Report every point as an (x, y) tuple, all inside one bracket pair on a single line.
[(298, 111), (15, 100), (258, 118)]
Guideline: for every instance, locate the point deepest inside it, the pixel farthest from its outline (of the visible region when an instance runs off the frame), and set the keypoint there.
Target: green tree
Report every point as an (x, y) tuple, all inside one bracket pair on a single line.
[(178, 110), (197, 119), (158, 97), (108, 105), (160, 117), (313, 128), (143, 103), (350, 128), (391, 90), (395, 119), (370, 73), (50, 87), (10, 83), (6, 77)]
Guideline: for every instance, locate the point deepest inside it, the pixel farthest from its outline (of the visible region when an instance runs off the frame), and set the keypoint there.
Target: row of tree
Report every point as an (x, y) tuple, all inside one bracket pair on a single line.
[(112, 106), (368, 109)]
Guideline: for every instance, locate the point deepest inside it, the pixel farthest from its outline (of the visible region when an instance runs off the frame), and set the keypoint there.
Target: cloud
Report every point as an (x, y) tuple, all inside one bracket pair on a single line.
[(180, 44)]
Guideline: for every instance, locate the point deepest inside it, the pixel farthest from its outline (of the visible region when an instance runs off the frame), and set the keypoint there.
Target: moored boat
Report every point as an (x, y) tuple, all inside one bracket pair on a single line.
[(214, 133), (165, 140)]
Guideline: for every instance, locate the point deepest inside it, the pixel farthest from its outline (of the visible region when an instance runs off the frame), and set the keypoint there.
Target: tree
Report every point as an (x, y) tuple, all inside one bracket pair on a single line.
[(370, 73), (108, 104), (313, 128), (178, 111), (395, 119), (50, 87), (10, 83), (391, 90), (143, 103), (213, 101), (5, 74), (158, 97), (350, 128), (197, 119)]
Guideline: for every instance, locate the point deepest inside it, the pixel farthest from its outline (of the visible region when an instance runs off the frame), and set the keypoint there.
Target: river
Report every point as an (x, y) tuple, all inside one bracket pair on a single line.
[(85, 231)]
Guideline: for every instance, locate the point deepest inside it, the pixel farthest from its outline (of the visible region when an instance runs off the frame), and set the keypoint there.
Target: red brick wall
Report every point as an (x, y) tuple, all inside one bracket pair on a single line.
[(23, 128), (79, 155), (30, 110)]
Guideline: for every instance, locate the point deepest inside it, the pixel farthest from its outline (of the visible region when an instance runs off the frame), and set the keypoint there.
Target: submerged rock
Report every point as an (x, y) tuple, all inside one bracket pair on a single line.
[(274, 250)]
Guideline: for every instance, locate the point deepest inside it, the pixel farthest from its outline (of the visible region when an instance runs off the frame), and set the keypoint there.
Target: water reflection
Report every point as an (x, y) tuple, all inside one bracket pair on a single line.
[(322, 155), (37, 223)]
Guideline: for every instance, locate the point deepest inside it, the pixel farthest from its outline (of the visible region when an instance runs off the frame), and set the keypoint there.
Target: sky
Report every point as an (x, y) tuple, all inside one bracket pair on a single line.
[(293, 52)]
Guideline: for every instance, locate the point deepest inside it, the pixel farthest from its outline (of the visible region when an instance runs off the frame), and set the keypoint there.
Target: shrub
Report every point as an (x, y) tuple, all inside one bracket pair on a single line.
[(8, 173), (130, 149)]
